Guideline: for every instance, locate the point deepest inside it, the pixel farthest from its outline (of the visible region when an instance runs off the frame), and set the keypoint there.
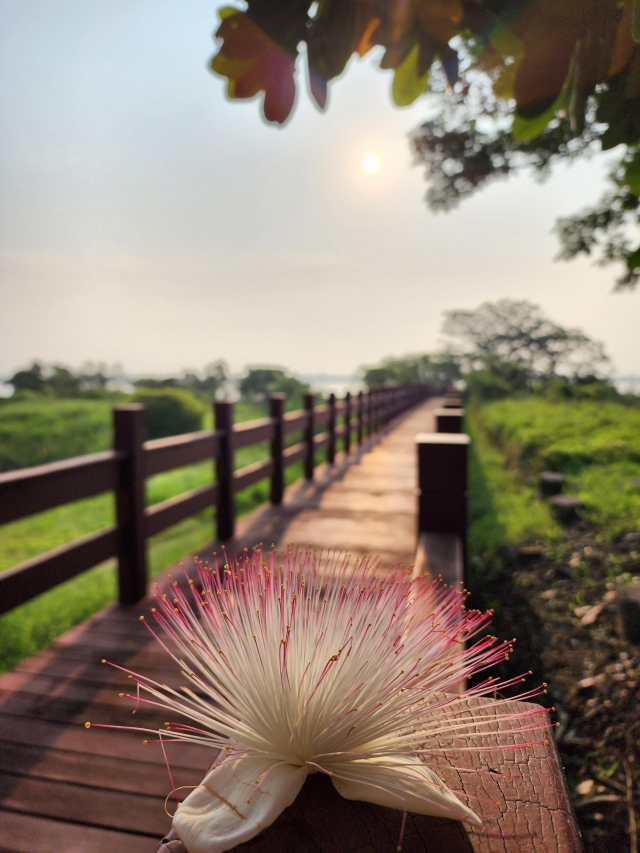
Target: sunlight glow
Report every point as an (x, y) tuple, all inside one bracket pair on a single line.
[(370, 163)]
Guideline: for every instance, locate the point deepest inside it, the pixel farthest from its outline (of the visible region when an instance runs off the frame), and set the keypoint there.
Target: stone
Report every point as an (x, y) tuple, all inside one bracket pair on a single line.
[(628, 605), (566, 508), (550, 483)]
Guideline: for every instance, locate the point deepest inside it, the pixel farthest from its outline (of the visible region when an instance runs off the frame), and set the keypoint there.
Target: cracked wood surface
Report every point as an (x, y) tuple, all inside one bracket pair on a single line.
[(99, 791), (525, 811)]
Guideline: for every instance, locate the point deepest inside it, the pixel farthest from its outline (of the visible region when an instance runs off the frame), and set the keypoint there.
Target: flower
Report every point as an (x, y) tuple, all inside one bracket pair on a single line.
[(315, 665)]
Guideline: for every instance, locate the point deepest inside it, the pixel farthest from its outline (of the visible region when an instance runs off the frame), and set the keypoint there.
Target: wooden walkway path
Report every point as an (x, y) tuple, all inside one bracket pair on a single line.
[(63, 788), (66, 789)]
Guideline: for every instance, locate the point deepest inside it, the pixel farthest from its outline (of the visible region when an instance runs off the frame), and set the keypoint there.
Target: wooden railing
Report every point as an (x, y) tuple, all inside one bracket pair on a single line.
[(125, 469)]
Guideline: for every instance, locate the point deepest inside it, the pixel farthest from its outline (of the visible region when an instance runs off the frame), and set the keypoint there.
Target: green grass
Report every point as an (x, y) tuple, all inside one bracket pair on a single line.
[(36, 624), (503, 510), (596, 445), (35, 432)]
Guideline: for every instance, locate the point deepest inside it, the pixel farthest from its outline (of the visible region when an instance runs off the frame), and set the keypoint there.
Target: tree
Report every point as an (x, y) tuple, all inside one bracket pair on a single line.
[(259, 382), (31, 379), (535, 53), (208, 385), (502, 348), (438, 371), (460, 158), (517, 84), (514, 342), (55, 380)]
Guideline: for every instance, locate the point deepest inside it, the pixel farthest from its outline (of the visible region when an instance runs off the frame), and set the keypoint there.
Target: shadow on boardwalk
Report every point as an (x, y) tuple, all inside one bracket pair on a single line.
[(63, 787)]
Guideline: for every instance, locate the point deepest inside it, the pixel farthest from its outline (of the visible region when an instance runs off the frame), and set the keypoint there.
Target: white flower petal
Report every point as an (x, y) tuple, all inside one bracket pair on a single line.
[(398, 783), (216, 815)]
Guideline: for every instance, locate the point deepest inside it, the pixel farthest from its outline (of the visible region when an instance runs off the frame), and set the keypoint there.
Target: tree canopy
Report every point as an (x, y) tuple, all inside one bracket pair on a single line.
[(519, 83), (515, 335), (258, 382), (503, 348)]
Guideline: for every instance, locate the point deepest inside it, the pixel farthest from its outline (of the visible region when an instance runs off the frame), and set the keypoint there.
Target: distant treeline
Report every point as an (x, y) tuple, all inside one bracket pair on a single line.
[(174, 405), (505, 349)]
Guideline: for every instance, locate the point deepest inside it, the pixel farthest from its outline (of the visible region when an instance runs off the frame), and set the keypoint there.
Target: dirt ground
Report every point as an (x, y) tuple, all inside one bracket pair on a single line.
[(563, 608)]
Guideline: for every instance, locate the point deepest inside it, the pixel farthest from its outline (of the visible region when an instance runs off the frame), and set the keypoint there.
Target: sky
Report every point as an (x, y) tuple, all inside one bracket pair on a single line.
[(146, 220)]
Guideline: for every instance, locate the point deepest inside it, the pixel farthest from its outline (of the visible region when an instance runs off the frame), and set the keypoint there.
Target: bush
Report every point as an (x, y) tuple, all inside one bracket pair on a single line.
[(170, 411), (33, 432)]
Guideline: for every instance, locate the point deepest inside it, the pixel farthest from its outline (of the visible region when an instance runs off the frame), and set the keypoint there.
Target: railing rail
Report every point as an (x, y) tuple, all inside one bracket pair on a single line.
[(125, 469)]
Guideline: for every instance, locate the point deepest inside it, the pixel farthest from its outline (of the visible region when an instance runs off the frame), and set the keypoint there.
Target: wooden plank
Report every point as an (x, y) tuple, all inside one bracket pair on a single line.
[(321, 440), (35, 576), (81, 804), (251, 474), (176, 451), (21, 833), (170, 512), (74, 737), (293, 421), (321, 415), (252, 432), (107, 707), (31, 490), (95, 771), (294, 453)]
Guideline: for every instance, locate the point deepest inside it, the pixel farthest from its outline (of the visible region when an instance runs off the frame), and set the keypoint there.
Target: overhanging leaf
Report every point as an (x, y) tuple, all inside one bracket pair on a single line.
[(633, 261), (632, 174), (407, 85), (524, 129)]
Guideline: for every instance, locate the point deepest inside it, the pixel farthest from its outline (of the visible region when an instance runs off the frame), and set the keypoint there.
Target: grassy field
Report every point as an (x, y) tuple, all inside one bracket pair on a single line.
[(503, 510), (596, 445), (35, 432), (36, 624)]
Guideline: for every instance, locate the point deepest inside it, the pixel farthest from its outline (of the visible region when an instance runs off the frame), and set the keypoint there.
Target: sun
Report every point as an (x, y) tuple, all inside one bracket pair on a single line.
[(370, 163)]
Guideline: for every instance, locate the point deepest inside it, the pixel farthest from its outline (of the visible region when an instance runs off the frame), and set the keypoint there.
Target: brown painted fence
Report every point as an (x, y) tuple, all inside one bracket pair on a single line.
[(124, 470)]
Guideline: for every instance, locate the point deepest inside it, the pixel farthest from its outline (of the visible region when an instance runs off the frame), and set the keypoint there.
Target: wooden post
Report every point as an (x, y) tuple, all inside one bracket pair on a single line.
[(374, 412), (331, 429), (310, 458), (384, 408), (442, 481), (276, 410), (347, 422), (223, 417), (449, 420), (128, 429), (360, 416)]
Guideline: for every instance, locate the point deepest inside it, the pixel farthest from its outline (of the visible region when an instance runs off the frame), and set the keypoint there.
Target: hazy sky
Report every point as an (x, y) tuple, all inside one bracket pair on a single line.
[(146, 220)]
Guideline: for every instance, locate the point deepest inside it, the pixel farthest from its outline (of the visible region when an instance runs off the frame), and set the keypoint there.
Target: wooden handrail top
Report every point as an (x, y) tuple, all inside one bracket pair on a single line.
[(293, 421), (251, 432), (31, 490), (175, 451), (294, 453), (251, 474)]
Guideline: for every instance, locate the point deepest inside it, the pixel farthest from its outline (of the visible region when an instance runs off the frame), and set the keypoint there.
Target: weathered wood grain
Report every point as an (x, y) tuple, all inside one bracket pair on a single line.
[(526, 810)]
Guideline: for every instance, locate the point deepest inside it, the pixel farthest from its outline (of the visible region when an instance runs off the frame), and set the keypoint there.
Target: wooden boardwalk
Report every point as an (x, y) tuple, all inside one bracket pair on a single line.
[(66, 788), (63, 788)]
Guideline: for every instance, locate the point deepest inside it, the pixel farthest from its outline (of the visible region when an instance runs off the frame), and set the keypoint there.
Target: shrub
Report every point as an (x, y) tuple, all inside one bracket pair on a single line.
[(33, 432), (170, 411)]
